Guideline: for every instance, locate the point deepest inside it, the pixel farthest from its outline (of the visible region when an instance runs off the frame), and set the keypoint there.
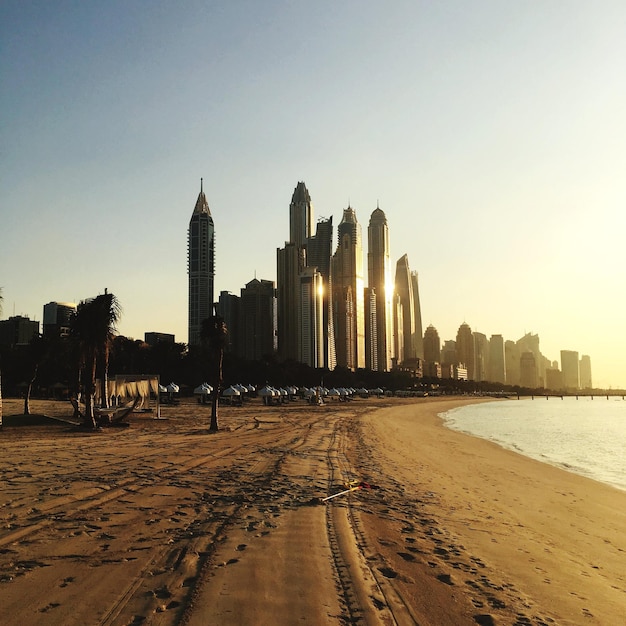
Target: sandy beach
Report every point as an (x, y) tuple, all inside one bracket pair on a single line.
[(165, 523)]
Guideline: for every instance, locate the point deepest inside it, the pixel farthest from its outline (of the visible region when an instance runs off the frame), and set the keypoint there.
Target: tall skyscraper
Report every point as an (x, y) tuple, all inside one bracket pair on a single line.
[(406, 286), (311, 318), (300, 216), (496, 370), (512, 356), (530, 343), (319, 254), (528, 370), (569, 368), (348, 293), (432, 345), (290, 262), (200, 266), (584, 368), (417, 312), (481, 356), (379, 279), (465, 349), (228, 307), (257, 322), (371, 330)]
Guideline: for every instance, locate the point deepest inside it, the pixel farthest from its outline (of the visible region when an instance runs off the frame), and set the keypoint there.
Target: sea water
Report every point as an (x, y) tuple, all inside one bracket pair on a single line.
[(585, 436)]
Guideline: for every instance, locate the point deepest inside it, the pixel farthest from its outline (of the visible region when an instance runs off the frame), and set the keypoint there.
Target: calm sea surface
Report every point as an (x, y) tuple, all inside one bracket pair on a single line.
[(584, 436)]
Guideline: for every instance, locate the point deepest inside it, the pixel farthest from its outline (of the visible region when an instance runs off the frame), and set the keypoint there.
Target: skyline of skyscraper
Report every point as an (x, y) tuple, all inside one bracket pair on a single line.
[(200, 267), (327, 317)]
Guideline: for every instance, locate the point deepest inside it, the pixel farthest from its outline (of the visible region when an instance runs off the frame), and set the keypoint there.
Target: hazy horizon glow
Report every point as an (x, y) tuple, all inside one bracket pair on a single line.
[(491, 134)]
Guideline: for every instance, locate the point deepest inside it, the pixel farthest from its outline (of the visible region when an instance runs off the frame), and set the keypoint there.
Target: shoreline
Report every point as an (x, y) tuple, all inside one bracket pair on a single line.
[(551, 540), (565, 465)]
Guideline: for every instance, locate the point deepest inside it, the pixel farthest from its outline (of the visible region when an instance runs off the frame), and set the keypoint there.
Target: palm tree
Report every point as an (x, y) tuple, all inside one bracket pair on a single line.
[(93, 327), (215, 334)]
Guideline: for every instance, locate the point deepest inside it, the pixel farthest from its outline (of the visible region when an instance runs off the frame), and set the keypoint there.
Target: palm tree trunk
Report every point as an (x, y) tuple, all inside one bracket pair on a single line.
[(28, 390), (90, 388), (104, 385), (214, 427)]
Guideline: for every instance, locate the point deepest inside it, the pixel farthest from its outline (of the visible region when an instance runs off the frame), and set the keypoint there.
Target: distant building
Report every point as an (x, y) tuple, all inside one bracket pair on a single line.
[(228, 308), (290, 263), (319, 255), (530, 343), (512, 362), (584, 367), (257, 324), (496, 369), (465, 349), (406, 286), (311, 318), (371, 329), (200, 267), (56, 318), (348, 293), (554, 379), (380, 282), (152, 338), (448, 353), (460, 372), (432, 345), (569, 367), (481, 356), (433, 369), (17, 331), (528, 370)]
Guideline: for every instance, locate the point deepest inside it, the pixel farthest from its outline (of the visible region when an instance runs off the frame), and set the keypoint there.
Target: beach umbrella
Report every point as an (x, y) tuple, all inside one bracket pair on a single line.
[(172, 388), (231, 391), (267, 393)]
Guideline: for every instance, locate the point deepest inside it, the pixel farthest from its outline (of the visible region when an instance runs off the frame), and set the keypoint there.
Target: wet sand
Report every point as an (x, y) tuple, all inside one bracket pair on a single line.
[(165, 523)]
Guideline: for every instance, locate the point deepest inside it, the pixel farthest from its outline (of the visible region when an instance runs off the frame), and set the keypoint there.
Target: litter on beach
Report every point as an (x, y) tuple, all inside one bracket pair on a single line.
[(352, 486)]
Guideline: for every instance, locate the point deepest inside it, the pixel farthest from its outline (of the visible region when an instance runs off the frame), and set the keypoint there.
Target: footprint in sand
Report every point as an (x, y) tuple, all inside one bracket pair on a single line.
[(388, 572), (241, 547)]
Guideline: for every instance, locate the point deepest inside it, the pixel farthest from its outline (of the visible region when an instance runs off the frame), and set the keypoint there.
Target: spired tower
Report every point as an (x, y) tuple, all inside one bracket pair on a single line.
[(290, 263), (200, 266), (348, 293), (379, 279)]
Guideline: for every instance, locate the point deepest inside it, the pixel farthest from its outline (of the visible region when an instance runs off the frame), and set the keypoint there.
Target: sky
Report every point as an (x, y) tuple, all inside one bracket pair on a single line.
[(491, 133)]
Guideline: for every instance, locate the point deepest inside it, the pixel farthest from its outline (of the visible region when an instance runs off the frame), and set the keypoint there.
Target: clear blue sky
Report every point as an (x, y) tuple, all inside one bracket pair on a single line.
[(493, 135)]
